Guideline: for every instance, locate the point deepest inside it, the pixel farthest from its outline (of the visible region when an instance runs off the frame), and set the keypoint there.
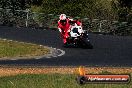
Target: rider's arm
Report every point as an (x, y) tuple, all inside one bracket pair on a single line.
[(60, 30), (78, 23), (75, 21), (72, 22), (59, 27)]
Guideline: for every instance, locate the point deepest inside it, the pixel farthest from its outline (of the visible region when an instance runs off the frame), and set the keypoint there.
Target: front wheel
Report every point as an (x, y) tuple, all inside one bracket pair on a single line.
[(89, 45), (85, 43)]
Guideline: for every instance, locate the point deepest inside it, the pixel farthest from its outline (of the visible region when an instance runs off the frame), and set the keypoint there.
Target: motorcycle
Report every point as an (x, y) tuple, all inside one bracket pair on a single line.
[(78, 37)]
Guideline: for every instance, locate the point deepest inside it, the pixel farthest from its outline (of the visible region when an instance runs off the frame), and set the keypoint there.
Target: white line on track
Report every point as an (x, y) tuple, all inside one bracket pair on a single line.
[(62, 52), (53, 50)]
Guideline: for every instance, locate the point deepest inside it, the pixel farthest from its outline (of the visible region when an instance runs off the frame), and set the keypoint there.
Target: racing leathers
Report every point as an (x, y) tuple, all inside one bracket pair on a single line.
[(64, 28)]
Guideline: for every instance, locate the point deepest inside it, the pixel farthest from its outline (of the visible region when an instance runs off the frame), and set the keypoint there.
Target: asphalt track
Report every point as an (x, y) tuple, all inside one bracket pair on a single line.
[(108, 50)]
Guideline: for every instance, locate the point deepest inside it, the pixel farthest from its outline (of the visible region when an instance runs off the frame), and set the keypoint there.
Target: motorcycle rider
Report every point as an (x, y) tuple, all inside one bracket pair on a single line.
[(64, 25)]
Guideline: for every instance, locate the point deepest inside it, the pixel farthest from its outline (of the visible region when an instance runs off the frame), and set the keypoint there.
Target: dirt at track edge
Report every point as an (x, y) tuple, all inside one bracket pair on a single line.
[(9, 71)]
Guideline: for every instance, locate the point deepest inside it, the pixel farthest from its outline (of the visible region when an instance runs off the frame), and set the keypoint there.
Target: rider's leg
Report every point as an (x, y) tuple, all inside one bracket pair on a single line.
[(64, 40)]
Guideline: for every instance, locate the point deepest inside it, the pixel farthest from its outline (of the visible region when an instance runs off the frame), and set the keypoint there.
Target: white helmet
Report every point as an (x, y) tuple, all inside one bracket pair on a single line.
[(62, 17)]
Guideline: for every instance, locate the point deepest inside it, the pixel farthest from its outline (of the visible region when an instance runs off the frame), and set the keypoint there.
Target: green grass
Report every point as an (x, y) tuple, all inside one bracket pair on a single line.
[(51, 81), (19, 49)]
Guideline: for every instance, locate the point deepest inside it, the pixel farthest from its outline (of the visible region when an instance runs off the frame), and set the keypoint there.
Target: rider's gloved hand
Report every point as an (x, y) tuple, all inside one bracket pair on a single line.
[(59, 29)]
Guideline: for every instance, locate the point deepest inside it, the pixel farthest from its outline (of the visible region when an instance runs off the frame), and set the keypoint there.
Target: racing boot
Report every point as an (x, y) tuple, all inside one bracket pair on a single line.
[(65, 44)]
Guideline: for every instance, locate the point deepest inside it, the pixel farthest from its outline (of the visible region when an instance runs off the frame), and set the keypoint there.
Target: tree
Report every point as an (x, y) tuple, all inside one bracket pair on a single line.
[(36, 2), (123, 8), (126, 3)]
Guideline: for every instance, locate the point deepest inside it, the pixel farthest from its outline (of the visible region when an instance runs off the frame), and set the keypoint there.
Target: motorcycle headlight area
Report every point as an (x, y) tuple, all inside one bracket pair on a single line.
[(76, 31)]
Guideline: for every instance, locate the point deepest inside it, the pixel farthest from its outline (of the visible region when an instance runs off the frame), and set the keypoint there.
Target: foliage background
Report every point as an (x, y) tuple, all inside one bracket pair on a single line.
[(113, 16), (101, 9)]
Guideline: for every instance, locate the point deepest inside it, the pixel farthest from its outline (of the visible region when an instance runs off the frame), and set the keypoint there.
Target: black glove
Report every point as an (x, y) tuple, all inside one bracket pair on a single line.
[(72, 22)]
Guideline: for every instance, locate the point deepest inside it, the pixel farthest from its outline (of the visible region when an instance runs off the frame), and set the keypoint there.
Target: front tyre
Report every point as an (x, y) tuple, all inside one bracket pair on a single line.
[(89, 45), (85, 43)]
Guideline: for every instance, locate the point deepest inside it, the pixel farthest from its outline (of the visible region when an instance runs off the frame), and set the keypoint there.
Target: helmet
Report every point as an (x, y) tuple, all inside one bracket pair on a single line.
[(62, 17)]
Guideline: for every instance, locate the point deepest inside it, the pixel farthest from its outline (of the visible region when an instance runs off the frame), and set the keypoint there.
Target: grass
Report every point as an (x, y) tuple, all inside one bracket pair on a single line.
[(9, 49), (41, 80), (51, 81)]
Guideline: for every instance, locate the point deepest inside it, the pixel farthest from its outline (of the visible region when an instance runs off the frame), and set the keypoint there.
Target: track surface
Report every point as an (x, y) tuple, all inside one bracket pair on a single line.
[(108, 50)]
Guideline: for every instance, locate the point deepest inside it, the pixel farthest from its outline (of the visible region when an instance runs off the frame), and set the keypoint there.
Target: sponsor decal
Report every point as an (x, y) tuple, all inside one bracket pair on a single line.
[(100, 78)]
